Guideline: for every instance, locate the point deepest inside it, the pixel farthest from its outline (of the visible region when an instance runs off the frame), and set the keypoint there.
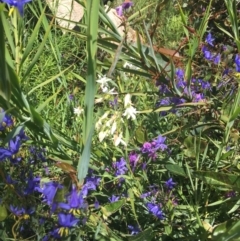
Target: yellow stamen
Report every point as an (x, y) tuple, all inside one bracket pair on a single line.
[(11, 11)]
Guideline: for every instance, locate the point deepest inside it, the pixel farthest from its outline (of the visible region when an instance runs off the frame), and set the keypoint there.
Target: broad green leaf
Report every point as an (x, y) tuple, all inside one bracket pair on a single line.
[(111, 208), (176, 169), (227, 231), (228, 181)]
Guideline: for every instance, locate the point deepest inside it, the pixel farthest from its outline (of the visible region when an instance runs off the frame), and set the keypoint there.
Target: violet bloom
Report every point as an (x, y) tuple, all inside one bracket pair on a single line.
[(32, 184), (217, 59), (120, 166), (207, 54), (67, 220), (91, 184), (159, 143), (155, 210), (13, 148), (133, 159), (170, 184), (237, 62), (134, 230), (209, 39), (75, 201), (119, 11), (6, 120), (146, 148), (180, 74), (205, 84), (19, 4), (49, 191), (113, 199)]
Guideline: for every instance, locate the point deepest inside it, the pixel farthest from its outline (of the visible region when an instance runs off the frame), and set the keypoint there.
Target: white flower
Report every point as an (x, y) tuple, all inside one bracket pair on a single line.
[(130, 112), (127, 100), (103, 81), (117, 139), (102, 135), (78, 111), (114, 127)]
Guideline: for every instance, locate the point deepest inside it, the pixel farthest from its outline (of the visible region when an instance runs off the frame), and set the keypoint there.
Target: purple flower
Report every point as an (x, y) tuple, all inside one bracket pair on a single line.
[(209, 39), (32, 184), (19, 4), (197, 97), (6, 120), (49, 191), (13, 148), (146, 194), (207, 54), (159, 143), (67, 220), (134, 230), (216, 59), (133, 159), (170, 184), (237, 62), (113, 199), (91, 184), (120, 167), (205, 85), (127, 5), (119, 11), (147, 146), (180, 74), (71, 97), (155, 210), (75, 201)]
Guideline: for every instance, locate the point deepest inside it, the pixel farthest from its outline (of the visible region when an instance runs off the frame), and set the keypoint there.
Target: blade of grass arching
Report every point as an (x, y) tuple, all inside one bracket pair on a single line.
[(48, 81), (5, 85), (8, 32), (32, 38), (46, 102), (88, 125), (37, 55), (204, 22)]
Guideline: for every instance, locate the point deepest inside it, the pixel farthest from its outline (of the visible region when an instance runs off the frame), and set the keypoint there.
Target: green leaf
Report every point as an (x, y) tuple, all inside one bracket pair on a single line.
[(227, 231), (176, 169), (111, 208), (146, 235), (228, 181), (3, 212), (5, 86)]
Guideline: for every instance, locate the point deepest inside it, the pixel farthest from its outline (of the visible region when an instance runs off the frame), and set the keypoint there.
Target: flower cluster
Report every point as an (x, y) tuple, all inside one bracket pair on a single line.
[(124, 7)]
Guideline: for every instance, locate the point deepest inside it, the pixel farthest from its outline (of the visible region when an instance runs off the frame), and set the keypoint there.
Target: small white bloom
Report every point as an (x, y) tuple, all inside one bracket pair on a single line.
[(102, 135), (128, 65), (114, 127), (127, 100), (78, 111), (103, 81), (117, 139), (130, 112)]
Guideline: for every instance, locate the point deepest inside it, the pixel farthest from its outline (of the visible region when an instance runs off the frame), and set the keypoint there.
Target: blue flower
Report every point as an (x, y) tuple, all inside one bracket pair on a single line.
[(49, 191), (75, 201), (19, 4), (13, 148), (155, 210), (134, 230), (113, 199), (6, 120), (216, 59), (207, 53), (159, 143), (170, 184), (120, 167), (237, 62), (210, 39), (67, 220), (147, 147)]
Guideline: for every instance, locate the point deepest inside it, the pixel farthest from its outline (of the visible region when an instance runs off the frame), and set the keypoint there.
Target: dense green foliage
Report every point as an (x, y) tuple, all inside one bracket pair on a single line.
[(102, 138)]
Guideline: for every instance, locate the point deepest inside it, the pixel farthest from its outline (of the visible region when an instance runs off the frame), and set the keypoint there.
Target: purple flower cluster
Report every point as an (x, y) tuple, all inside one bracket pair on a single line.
[(155, 210), (123, 7), (120, 167), (151, 148), (208, 55)]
